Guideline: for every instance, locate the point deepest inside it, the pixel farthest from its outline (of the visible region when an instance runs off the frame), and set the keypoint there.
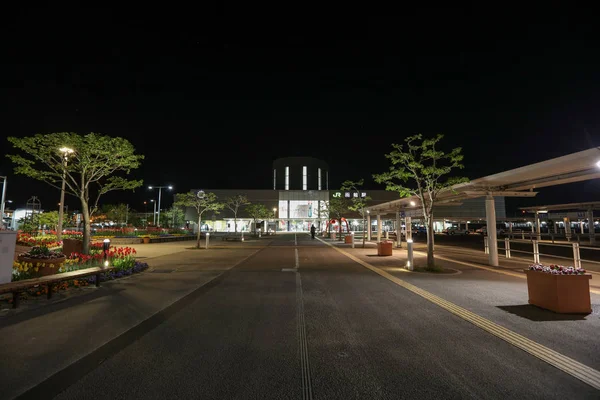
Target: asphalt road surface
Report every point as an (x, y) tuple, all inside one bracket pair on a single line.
[(300, 320)]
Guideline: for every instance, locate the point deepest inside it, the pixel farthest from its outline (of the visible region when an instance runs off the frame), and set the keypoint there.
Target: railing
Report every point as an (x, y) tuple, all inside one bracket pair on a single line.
[(574, 247), (553, 237)]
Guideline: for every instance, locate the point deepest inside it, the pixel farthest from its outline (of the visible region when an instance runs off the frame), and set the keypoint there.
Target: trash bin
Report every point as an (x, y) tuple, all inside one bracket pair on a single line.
[(384, 248), (348, 239)]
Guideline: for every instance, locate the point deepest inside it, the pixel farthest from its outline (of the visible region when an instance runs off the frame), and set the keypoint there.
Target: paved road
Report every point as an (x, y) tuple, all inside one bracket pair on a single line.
[(300, 319)]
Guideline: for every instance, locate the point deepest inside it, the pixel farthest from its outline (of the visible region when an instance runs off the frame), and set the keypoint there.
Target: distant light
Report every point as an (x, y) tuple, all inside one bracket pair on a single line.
[(106, 263), (149, 187), (170, 187), (409, 241), (598, 164), (412, 203)]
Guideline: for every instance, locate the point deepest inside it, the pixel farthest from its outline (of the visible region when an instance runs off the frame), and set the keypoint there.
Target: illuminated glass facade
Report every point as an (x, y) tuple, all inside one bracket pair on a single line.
[(319, 178), (287, 178), (304, 178)]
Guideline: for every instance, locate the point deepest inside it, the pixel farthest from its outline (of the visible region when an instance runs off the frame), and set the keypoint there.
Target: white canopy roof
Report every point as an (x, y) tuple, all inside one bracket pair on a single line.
[(518, 182)]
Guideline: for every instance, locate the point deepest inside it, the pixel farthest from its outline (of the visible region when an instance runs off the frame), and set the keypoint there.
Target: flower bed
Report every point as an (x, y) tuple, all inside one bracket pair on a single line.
[(122, 258), (557, 269), (39, 261), (558, 288)]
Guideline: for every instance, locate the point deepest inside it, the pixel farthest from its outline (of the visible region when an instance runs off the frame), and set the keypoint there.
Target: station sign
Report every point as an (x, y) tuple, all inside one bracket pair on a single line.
[(349, 195)]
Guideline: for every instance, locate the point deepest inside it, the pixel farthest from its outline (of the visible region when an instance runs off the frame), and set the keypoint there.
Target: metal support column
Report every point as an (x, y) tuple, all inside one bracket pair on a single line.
[(398, 230), (576, 257), (378, 228), (369, 227), (591, 226), (536, 251), (567, 223), (490, 215)]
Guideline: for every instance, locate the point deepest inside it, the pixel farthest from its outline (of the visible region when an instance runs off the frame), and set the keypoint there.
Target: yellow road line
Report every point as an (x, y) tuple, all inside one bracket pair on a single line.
[(572, 367)]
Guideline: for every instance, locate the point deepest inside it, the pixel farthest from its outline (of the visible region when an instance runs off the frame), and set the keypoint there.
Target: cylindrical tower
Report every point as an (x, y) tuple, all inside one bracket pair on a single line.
[(300, 173)]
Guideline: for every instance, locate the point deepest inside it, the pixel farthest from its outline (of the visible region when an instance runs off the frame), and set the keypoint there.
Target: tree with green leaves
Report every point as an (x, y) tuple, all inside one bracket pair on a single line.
[(98, 164), (174, 217), (49, 219), (422, 163), (358, 202), (234, 203), (117, 213), (258, 211), (335, 208), (201, 202)]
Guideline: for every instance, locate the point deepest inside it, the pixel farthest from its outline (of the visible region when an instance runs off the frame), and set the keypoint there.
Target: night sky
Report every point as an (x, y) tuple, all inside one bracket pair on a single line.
[(211, 97)]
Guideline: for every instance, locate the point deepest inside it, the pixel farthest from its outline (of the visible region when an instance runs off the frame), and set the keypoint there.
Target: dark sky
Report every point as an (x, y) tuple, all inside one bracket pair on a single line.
[(211, 97)]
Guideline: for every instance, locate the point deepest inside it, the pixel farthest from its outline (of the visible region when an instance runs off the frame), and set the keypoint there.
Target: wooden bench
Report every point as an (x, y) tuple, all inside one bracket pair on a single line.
[(50, 280)]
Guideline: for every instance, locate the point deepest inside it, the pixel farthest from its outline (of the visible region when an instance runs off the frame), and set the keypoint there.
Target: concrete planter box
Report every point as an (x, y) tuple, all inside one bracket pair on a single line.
[(565, 294), (43, 265), (72, 246), (21, 249), (384, 248)]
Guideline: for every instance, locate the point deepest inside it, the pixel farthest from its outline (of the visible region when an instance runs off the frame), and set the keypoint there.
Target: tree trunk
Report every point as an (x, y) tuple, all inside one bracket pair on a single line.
[(430, 238), (235, 224), (199, 231), (87, 226)]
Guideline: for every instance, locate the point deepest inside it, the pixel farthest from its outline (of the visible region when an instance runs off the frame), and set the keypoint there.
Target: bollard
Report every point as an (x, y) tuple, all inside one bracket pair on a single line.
[(352, 234), (507, 247), (259, 234), (387, 235), (242, 239), (410, 261), (523, 235), (536, 252), (105, 247), (207, 236), (552, 237), (576, 257), (486, 244)]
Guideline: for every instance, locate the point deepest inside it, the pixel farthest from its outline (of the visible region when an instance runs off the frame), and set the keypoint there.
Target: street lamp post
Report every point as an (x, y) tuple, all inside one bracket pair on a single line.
[(145, 214), (275, 217), (160, 188), (153, 212), (2, 202), (65, 151)]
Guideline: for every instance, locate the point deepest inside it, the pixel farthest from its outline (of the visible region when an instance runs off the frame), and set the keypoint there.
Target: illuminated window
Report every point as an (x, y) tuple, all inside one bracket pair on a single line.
[(287, 178), (274, 179), (304, 179), (319, 178)]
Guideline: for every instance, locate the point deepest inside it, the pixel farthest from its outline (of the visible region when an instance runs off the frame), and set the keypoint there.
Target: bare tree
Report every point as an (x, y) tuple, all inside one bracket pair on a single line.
[(359, 202), (234, 203), (201, 202)]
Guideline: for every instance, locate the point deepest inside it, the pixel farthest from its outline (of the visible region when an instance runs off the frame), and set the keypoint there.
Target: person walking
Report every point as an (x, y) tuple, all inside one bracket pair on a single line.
[(313, 230)]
